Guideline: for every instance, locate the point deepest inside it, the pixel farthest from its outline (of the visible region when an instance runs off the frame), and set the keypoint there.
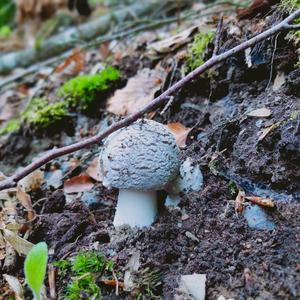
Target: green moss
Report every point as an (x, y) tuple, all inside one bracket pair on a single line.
[(83, 288), (10, 126), (81, 91), (32, 108), (41, 115), (196, 51), (49, 115), (85, 269)]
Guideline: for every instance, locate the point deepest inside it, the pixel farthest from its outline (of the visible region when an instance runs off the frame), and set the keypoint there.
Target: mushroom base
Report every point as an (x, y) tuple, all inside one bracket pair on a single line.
[(136, 208)]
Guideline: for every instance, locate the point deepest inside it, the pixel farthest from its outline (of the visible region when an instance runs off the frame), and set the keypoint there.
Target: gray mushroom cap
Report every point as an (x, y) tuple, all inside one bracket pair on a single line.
[(142, 156)]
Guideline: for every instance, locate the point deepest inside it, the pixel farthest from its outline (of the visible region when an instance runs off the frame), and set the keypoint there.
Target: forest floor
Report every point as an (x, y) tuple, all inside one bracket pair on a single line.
[(244, 134)]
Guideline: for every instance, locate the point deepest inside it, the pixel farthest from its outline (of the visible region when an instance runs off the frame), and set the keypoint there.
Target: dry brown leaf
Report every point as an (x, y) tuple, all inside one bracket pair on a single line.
[(113, 282), (239, 202), (138, 92), (260, 113), (78, 184), (32, 181), (172, 43), (21, 245), (93, 169), (266, 202), (25, 200), (72, 66), (180, 132), (256, 7)]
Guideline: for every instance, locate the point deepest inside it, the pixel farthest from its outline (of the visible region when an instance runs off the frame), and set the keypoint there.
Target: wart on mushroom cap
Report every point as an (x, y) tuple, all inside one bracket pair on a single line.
[(139, 160)]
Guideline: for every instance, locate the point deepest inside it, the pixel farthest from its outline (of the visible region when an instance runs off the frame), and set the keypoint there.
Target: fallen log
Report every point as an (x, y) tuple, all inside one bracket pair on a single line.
[(83, 33)]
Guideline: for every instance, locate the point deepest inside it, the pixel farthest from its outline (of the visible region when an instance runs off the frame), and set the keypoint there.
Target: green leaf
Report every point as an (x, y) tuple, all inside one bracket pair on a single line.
[(35, 267)]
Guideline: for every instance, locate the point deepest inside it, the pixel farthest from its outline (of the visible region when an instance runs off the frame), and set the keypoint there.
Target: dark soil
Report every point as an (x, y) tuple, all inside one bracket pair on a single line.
[(204, 234)]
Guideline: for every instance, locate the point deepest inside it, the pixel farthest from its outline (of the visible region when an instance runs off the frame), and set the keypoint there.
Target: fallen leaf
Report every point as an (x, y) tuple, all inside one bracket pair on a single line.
[(256, 7), (266, 202), (137, 93), (172, 43), (180, 132), (32, 181), (260, 113), (193, 285), (15, 286), (72, 65), (239, 202), (21, 245), (78, 184), (94, 169), (113, 282), (263, 133), (131, 267), (279, 81), (25, 200)]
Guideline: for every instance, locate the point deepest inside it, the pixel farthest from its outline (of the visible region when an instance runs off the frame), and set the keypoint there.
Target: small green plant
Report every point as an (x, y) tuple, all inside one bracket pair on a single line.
[(35, 268), (146, 283), (232, 188), (85, 269), (10, 126), (196, 51), (81, 91), (5, 31), (7, 11)]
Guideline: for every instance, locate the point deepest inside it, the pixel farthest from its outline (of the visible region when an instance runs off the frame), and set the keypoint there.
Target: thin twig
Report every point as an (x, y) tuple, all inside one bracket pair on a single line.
[(13, 180), (218, 36)]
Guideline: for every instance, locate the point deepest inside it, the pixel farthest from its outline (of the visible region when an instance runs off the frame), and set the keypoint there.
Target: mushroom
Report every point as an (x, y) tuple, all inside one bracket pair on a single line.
[(139, 160)]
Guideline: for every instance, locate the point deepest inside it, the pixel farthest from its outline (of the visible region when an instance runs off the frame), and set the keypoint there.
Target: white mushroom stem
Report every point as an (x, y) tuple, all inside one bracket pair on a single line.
[(136, 208)]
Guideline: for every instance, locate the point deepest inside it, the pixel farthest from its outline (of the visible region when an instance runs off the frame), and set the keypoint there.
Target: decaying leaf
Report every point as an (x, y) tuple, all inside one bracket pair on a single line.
[(239, 202), (256, 7), (25, 200), (93, 169), (78, 184), (172, 43), (138, 92), (21, 245), (32, 181), (180, 132), (72, 65), (279, 81), (132, 266), (266, 202), (263, 133), (260, 113), (15, 286)]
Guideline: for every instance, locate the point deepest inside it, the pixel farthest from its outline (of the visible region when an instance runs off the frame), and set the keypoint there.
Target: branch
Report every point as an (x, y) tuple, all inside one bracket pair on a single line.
[(164, 97)]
